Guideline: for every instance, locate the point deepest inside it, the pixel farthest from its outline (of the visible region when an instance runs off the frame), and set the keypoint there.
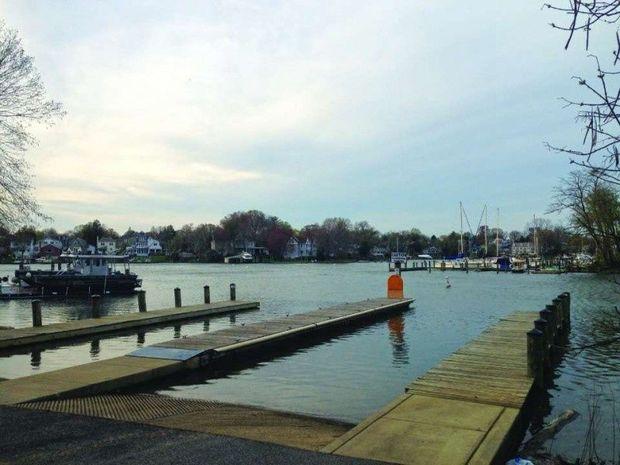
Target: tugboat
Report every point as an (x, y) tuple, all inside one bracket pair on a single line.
[(83, 274)]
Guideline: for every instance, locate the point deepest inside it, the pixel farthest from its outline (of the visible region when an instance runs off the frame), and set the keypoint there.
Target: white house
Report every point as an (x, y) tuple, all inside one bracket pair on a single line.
[(106, 245), (296, 248), (144, 246), (522, 248)]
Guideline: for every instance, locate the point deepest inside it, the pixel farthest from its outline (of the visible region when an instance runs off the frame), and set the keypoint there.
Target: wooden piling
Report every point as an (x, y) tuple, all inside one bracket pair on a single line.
[(207, 294), (535, 356), (557, 309), (141, 301), (177, 297), (95, 300), (547, 314), (542, 325), (233, 291), (566, 296), (37, 319)]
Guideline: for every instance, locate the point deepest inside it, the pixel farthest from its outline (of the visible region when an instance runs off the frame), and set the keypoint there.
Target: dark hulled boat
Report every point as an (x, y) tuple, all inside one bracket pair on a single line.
[(83, 274)]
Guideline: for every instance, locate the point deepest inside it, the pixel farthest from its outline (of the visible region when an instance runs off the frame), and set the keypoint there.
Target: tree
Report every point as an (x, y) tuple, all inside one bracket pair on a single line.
[(594, 208), (93, 230), (365, 236), (598, 111), (22, 103)]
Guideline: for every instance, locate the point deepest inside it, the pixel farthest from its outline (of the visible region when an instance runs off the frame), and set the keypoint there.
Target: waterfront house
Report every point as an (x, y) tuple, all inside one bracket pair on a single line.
[(48, 248), (22, 250), (106, 245), (144, 246), (298, 249), (520, 249), (77, 246)]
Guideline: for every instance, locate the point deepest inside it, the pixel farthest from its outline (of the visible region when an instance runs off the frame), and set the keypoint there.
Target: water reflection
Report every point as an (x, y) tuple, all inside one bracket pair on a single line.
[(177, 332), (232, 319), (205, 326), (400, 349), (35, 359), (141, 338), (95, 348)]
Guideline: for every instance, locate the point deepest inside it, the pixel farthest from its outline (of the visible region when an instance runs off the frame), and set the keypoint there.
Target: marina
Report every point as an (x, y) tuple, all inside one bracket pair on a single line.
[(315, 379)]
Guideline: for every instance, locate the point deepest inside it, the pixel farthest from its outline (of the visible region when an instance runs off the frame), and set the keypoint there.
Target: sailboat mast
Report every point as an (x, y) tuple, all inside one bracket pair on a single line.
[(497, 235), (461, 213), (486, 227)]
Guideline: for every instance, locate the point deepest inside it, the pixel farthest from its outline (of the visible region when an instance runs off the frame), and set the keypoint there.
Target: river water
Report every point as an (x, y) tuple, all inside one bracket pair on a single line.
[(348, 376)]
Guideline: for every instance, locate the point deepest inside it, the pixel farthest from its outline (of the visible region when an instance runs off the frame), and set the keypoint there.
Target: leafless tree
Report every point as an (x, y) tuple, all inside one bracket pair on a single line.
[(22, 103), (599, 112)]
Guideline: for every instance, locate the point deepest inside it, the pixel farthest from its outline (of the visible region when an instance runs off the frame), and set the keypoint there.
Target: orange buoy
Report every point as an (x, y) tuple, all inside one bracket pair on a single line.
[(395, 287)]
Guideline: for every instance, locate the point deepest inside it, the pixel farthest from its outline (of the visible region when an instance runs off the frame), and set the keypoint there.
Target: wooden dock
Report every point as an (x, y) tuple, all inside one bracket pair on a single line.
[(468, 410), (166, 358), (21, 337)]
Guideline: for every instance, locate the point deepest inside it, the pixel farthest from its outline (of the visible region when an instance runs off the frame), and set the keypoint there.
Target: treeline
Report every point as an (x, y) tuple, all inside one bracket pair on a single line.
[(594, 207), (332, 239)]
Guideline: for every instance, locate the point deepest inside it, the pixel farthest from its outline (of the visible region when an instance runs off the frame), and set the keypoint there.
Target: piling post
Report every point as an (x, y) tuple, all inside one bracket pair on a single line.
[(557, 309), (37, 319), (547, 314), (142, 301), (177, 297), (95, 300), (555, 314), (566, 311), (233, 291), (535, 358), (543, 326), (207, 293)]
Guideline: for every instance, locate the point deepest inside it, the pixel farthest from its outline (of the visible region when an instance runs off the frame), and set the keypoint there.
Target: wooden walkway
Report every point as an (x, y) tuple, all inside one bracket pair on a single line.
[(464, 411), (180, 354), (20, 337)]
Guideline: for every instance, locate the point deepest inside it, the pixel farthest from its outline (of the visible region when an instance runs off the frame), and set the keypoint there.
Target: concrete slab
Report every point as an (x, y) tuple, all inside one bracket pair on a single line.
[(410, 443), (446, 412)]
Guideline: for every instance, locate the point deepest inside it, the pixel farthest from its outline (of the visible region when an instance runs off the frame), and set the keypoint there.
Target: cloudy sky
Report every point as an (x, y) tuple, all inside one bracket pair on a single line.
[(180, 112)]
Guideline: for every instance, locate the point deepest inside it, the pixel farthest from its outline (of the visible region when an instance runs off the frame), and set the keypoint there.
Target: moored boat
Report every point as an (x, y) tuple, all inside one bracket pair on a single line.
[(83, 274)]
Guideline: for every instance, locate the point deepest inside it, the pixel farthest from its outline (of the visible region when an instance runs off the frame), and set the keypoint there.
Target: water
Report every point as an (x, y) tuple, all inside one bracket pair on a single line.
[(349, 376)]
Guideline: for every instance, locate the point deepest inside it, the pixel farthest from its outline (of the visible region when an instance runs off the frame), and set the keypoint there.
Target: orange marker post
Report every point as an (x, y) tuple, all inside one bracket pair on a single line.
[(395, 287)]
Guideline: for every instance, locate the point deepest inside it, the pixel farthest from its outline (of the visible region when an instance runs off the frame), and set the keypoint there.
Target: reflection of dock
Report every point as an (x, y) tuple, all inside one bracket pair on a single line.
[(169, 357), (80, 328), (468, 410)]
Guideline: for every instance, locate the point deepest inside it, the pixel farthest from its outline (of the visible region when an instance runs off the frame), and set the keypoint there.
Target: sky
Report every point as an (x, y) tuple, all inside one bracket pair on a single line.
[(391, 112)]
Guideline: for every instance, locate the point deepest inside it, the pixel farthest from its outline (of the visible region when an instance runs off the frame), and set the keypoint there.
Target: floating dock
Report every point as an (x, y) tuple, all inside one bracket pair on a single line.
[(21, 337), (468, 410), (166, 358)]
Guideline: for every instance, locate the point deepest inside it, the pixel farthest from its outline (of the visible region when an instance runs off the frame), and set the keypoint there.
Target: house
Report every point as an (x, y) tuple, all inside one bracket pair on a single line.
[(48, 248), (78, 246), (22, 250), (433, 251), (296, 249), (378, 252), (522, 248), (106, 245), (144, 246)]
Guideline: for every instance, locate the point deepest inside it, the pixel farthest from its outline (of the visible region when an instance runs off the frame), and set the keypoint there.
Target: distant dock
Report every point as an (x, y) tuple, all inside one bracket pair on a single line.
[(469, 409)]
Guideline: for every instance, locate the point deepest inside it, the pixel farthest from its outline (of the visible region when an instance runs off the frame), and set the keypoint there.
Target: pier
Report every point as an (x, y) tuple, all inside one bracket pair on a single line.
[(470, 408), (166, 358), (20, 337)]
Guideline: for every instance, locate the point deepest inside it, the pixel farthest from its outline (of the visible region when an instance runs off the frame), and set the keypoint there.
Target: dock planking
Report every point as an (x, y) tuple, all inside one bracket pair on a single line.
[(464, 411), (20, 337), (165, 358)]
